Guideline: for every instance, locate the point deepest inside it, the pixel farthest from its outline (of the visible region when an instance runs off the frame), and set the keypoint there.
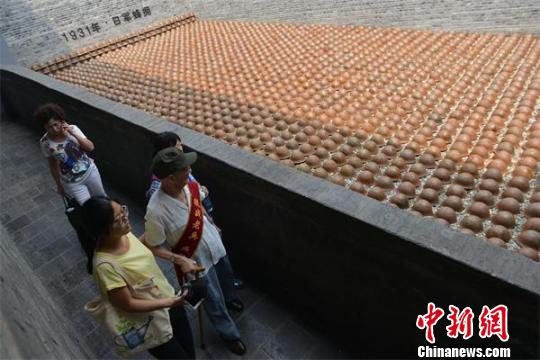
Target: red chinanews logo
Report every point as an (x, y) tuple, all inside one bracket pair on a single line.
[(490, 322)]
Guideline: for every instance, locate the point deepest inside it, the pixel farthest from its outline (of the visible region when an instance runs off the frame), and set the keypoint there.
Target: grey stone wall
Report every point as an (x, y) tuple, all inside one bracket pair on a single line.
[(32, 326), (34, 28), (359, 269)]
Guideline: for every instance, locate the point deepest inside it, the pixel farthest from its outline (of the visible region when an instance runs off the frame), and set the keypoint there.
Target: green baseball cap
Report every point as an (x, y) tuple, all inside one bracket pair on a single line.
[(170, 160)]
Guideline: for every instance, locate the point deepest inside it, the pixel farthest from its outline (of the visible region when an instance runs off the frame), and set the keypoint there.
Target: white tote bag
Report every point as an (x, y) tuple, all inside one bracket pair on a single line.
[(135, 331)]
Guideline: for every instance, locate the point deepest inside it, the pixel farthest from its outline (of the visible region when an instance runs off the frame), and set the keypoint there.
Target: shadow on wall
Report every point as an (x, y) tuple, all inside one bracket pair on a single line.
[(311, 244)]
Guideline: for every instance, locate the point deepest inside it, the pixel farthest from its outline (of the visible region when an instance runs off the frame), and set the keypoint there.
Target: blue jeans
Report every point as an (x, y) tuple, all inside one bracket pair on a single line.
[(215, 308), (226, 279)]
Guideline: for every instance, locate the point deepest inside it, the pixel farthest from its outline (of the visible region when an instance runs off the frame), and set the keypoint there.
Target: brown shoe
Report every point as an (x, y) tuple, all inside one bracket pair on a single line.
[(236, 346)]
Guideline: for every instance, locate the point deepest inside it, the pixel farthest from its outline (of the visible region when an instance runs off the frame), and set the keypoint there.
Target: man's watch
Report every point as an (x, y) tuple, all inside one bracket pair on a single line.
[(173, 259)]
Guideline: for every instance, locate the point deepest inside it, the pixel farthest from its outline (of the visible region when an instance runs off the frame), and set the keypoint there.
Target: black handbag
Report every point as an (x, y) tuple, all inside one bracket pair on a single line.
[(197, 290), (73, 212)]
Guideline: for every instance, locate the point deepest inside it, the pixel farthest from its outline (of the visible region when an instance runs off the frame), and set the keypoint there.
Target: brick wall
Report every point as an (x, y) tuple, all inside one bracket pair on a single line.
[(34, 28)]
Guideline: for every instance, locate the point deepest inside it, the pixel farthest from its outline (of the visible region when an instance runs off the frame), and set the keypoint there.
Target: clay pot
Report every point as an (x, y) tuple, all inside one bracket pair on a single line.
[(530, 238), (473, 223)]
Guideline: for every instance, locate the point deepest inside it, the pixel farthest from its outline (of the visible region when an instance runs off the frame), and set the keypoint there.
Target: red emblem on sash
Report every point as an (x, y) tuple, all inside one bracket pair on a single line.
[(192, 235)]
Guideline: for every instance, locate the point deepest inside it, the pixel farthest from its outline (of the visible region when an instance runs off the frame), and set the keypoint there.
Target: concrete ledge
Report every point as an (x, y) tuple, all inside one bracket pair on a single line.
[(358, 268)]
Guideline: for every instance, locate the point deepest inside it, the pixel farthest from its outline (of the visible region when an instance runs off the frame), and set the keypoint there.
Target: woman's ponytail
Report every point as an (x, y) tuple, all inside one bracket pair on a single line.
[(98, 216)]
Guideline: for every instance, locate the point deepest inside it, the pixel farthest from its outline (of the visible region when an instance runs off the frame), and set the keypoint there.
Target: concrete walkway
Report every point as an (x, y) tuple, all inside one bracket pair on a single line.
[(33, 215)]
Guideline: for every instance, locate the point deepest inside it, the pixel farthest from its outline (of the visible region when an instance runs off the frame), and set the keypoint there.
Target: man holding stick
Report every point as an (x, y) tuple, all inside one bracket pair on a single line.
[(175, 214)]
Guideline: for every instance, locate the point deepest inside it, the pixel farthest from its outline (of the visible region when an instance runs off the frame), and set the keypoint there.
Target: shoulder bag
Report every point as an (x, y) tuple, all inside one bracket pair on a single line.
[(132, 332)]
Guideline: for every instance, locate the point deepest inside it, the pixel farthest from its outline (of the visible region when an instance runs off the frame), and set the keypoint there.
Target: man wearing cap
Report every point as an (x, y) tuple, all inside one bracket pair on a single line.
[(175, 214)]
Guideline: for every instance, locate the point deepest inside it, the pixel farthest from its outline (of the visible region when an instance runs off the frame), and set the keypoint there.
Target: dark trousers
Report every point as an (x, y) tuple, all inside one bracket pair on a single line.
[(226, 278), (181, 345)]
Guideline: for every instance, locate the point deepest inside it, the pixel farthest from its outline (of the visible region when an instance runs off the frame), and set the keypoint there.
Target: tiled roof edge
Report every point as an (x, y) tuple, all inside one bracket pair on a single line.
[(92, 51)]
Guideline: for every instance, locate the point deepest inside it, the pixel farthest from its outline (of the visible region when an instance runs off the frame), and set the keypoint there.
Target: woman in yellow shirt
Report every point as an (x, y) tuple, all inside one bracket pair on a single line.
[(108, 224)]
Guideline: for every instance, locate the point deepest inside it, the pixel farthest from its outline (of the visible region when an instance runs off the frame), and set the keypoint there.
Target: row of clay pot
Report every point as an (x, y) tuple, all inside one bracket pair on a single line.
[(411, 118)]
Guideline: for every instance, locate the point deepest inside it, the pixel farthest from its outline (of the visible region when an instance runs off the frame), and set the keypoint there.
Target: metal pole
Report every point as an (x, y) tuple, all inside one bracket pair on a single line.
[(201, 325)]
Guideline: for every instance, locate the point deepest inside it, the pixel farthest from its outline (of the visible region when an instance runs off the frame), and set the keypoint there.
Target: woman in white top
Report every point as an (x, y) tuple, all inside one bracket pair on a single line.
[(66, 147)]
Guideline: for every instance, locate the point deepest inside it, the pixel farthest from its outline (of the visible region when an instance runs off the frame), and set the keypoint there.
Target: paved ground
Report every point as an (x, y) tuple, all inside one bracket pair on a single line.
[(33, 215)]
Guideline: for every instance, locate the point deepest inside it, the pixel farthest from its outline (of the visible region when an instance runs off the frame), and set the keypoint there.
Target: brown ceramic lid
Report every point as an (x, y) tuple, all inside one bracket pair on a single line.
[(411, 177), (322, 153), (430, 195), (366, 177), (408, 155), (400, 200), (329, 145), (486, 197), (373, 167), (497, 242), (347, 170), (519, 182), (447, 213), (376, 193), (504, 218), (407, 188), (448, 165), (370, 146), (320, 172), (479, 209), (466, 180), (454, 202), (314, 140), (532, 224), (473, 223), (304, 167), (499, 231), (423, 206), (530, 253), (330, 165), (530, 238), (337, 179), (493, 174), (418, 169), (399, 163), (393, 172), (509, 204), (514, 193), (297, 156), (282, 152), (306, 149), (339, 157), (357, 187), (533, 210), (442, 174), (380, 159), (523, 171), (457, 190), (469, 168), (384, 182), (434, 183), (428, 160), (490, 185), (355, 161)]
